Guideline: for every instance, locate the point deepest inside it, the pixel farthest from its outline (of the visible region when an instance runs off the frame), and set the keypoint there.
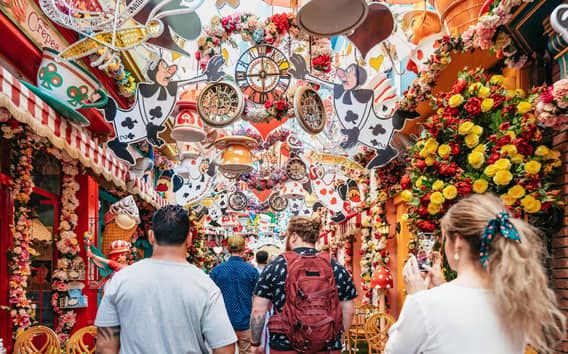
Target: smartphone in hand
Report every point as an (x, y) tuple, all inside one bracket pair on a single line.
[(425, 247)]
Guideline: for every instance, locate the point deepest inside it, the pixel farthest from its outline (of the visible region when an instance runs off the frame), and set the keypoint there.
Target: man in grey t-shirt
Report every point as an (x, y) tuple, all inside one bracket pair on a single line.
[(164, 304)]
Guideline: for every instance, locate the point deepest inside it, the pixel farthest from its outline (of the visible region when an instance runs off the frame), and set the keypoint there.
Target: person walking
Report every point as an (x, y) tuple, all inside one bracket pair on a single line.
[(237, 279), (500, 300), (310, 293), (261, 260), (163, 304)]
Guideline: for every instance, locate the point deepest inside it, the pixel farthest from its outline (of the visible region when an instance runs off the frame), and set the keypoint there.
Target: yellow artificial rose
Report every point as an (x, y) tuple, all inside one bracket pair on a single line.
[(419, 181), (431, 146), (497, 79), (434, 209), (437, 198), (473, 87), (465, 128), (517, 192), (480, 186), (532, 167), (524, 107), (484, 92), (531, 204), (450, 192), (455, 100), (542, 151), (438, 185), (508, 149), (406, 195), (480, 148), (487, 104), (477, 130), (503, 164), (511, 134), (520, 92), (503, 177), (476, 159), (471, 140), (444, 150), (423, 153), (517, 158), (490, 170), (508, 200), (429, 161)]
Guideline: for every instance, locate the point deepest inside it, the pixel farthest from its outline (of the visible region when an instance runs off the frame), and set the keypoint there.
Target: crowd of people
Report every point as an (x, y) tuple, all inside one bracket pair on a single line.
[(303, 301)]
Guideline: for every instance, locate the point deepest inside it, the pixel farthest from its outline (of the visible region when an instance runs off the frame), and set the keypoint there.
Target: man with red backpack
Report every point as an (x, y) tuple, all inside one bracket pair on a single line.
[(311, 294)]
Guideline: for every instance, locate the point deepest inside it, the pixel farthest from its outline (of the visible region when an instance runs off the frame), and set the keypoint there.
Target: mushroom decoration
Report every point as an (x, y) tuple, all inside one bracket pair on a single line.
[(380, 282)]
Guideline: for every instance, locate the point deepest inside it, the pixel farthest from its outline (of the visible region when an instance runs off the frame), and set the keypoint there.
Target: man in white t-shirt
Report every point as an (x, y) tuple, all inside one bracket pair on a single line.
[(164, 304)]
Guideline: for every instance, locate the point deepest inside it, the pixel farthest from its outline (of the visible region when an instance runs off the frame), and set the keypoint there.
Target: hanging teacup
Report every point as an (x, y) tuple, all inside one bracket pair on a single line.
[(237, 154), (188, 127)]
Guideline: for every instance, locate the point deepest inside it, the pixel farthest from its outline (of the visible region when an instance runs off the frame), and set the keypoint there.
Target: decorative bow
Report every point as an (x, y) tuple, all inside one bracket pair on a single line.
[(500, 224)]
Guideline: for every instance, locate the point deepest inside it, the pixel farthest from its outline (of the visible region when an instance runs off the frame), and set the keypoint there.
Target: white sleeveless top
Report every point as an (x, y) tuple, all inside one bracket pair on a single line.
[(450, 319)]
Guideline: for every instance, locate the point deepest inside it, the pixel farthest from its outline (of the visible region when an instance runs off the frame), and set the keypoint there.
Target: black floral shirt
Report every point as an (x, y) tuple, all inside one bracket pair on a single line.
[(272, 284)]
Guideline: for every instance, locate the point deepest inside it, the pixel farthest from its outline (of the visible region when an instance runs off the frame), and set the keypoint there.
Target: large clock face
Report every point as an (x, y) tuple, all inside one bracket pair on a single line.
[(220, 103), (262, 73)]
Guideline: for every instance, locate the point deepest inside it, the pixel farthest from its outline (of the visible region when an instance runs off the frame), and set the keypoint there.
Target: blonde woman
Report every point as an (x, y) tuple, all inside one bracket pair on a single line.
[(500, 300)]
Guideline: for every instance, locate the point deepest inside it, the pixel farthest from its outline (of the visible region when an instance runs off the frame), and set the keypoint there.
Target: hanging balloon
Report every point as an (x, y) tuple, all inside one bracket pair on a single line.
[(378, 26), (237, 154), (314, 17), (188, 127)]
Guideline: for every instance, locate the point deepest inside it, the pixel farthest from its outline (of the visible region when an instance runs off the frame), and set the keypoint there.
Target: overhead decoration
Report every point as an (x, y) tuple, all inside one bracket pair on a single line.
[(277, 202), (420, 23), (326, 18), (237, 155), (121, 222), (377, 27), (309, 110), (154, 103), (188, 127), (220, 103), (296, 169), (261, 180), (293, 190), (238, 201), (67, 87), (354, 108), (157, 22), (496, 146), (194, 180)]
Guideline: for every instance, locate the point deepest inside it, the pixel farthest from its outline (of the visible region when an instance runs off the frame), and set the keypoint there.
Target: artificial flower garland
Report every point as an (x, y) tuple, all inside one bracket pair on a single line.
[(68, 249), (484, 35), (482, 138), (261, 180), (22, 311)]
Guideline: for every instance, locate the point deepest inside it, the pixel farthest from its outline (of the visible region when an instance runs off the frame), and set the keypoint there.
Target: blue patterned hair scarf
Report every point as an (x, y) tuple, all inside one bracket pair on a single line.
[(500, 224)]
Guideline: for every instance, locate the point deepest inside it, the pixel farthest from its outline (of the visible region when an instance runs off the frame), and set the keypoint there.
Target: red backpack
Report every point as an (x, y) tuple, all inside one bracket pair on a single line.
[(311, 317)]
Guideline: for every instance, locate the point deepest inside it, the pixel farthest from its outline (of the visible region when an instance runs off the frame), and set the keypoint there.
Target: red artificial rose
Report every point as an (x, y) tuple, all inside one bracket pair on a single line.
[(504, 126), (473, 106), (512, 109), (197, 55), (498, 100), (280, 105), (523, 147), (455, 149), (494, 157), (268, 104), (422, 211), (425, 200), (464, 187), (504, 140), (546, 95), (420, 164), (459, 86), (426, 226), (405, 182)]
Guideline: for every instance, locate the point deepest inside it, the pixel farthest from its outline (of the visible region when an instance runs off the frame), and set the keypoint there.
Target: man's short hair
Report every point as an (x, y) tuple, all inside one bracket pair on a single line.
[(261, 257), (170, 225)]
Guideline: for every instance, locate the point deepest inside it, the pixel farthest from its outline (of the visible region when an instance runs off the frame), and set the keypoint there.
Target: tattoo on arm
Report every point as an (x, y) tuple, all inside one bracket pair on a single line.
[(108, 340), (256, 327)]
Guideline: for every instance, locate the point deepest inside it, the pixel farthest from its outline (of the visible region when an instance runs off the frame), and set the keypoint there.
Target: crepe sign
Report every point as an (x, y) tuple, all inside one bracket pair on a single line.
[(153, 104)]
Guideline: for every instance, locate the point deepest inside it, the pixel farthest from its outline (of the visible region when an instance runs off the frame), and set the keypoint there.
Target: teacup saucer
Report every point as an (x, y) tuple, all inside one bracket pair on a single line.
[(60, 107)]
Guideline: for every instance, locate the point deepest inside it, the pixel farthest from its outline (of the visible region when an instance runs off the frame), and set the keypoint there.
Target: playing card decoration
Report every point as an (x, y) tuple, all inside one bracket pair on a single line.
[(220, 104), (296, 169), (154, 103), (354, 109), (309, 110), (238, 201), (198, 185), (277, 202), (325, 185)]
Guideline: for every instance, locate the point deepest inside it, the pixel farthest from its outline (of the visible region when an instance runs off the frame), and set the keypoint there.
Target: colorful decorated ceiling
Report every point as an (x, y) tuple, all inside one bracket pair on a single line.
[(251, 107)]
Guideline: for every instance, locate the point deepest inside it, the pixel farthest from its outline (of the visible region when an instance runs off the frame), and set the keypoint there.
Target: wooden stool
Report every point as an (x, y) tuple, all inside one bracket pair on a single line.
[(25, 341), (76, 344), (376, 331)]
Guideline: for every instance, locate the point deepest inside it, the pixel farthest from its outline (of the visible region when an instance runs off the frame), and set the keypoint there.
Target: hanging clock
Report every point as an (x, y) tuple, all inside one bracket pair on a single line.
[(296, 169), (262, 73), (277, 202), (310, 110), (220, 103), (238, 201)]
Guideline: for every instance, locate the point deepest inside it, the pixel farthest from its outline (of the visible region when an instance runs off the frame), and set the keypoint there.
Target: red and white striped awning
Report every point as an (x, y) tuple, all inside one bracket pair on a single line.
[(78, 142)]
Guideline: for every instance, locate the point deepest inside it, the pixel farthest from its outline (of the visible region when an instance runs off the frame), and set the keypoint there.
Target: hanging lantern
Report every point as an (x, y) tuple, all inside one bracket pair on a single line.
[(188, 127), (237, 154), (293, 190)]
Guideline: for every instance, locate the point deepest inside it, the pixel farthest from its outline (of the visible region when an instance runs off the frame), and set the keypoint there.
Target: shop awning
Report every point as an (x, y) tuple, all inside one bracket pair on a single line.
[(29, 109)]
